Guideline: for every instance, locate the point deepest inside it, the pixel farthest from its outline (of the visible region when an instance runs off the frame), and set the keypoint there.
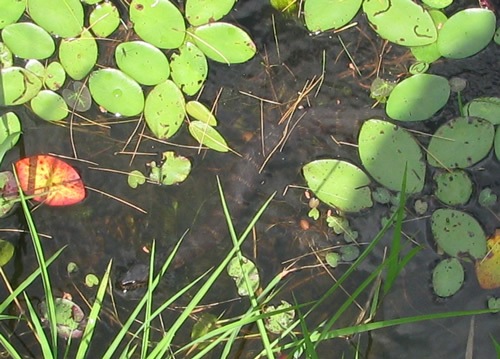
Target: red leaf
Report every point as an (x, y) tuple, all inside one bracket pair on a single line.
[(54, 181)]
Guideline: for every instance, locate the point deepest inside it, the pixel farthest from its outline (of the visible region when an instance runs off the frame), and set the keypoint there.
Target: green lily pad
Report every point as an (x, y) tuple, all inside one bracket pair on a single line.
[(460, 143), (204, 325), (487, 197), (201, 12), (313, 213), (77, 96), (6, 252), (173, 170), (200, 112), (458, 234), (386, 150), (494, 303), (10, 130), (349, 253), (12, 10), (5, 56), (466, 33), (437, 4), (189, 68), (91, 280), (381, 195), (332, 259), (420, 207), (18, 86), (237, 272), (78, 55), (208, 136), (62, 18), (224, 42), (380, 89), (418, 97), (338, 224), (104, 19), (487, 108), (453, 188), (35, 67), (144, 62), (164, 110), (135, 178), (147, 14), (278, 323), (403, 22), (70, 319), (54, 76), (447, 277), (49, 106), (339, 184), (116, 92), (322, 15), (71, 268), (28, 41)]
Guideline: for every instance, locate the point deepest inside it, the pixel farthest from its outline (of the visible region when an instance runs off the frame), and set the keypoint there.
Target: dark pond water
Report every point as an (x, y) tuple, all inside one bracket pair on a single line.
[(101, 229)]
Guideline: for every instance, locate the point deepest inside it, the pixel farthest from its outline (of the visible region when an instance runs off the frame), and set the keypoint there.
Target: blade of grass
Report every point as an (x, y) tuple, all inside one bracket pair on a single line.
[(39, 332), (497, 346), (149, 302), (309, 347), (9, 347)]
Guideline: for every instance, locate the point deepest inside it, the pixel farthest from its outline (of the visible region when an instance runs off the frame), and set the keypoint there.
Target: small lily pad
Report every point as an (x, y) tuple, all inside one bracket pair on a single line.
[(62, 18), (35, 67), (200, 112), (447, 277), (236, 271), (28, 41), (460, 143), (6, 252), (313, 213), (278, 323), (5, 56), (332, 259), (54, 76), (174, 169), (494, 303), (189, 68), (201, 12), (458, 234), (91, 280), (487, 197), (338, 224), (135, 178), (77, 96), (49, 106), (71, 268), (487, 108), (12, 10), (339, 184), (18, 86), (70, 319), (104, 19), (453, 188), (381, 195), (349, 253), (78, 55), (10, 130), (205, 323), (420, 207), (322, 15), (208, 136)]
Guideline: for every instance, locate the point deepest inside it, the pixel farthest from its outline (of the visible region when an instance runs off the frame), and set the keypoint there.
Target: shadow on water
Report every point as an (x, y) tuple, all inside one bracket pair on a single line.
[(101, 229)]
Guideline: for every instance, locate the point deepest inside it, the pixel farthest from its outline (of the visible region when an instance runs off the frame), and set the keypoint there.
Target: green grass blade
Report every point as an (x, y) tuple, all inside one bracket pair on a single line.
[(149, 302), (8, 347), (497, 346), (309, 347), (39, 332)]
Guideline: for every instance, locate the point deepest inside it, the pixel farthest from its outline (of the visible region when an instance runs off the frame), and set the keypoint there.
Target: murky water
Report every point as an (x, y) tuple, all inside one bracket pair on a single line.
[(101, 229)]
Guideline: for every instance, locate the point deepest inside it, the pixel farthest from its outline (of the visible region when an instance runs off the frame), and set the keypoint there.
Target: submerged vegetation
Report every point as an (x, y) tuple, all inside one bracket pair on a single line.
[(131, 67)]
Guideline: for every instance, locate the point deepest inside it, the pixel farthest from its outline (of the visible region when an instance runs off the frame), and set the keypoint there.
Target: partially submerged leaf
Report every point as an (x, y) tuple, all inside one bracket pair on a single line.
[(77, 96), (135, 178), (278, 323), (208, 136), (6, 252), (173, 170), (236, 271), (70, 319)]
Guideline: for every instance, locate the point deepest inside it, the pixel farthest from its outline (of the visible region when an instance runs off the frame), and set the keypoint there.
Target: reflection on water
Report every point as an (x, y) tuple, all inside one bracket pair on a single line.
[(101, 229)]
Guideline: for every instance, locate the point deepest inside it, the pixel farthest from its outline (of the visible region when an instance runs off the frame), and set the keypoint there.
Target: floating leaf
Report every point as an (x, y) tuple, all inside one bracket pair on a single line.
[(189, 68), (349, 253), (91, 280), (144, 62), (453, 188), (460, 143), (313, 213), (10, 130), (402, 22), (322, 15), (437, 4), (164, 109), (458, 234), (116, 92), (77, 96), (487, 197), (418, 97), (497, 143), (70, 319), (386, 150), (200, 112), (35, 67), (18, 86), (488, 268), (5, 56), (200, 12), (54, 76), (332, 259), (487, 108), (63, 18), (49, 106), (238, 272), (466, 33), (9, 193), (28, 41), (104, 19), (494, 303), (380, 89), (457, 84), (338, 224), (6, 252), (71, 268), (420, 207), (278, 323), (147, 14), (135, 178), (78, 55), (224, 42), (204, 325), (12, 10), (50, 180), (381, 195), (339, 184), (208, 136), (173, 170), (447, 277)]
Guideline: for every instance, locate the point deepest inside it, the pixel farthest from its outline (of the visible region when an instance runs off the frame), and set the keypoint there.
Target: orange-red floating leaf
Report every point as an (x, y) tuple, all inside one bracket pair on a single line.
[(488, 269), (50, 180)]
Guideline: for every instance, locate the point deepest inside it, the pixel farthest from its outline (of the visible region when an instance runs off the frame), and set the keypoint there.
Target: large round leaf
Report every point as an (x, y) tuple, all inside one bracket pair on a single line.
[(148, 14), (224, 42), (49, 106), (78, 56), (322, 15), (458, 234), (164, 110), (104, 19), (487, 108), (460, 143), (403, 22), (418, 97), (143, 62), (28, 41), (200, 12), (18, 86), (208, 136), (386, 150), (116, 92), (189, 68), (339, 184), (11, 11), (466, 33), (59, 17)]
